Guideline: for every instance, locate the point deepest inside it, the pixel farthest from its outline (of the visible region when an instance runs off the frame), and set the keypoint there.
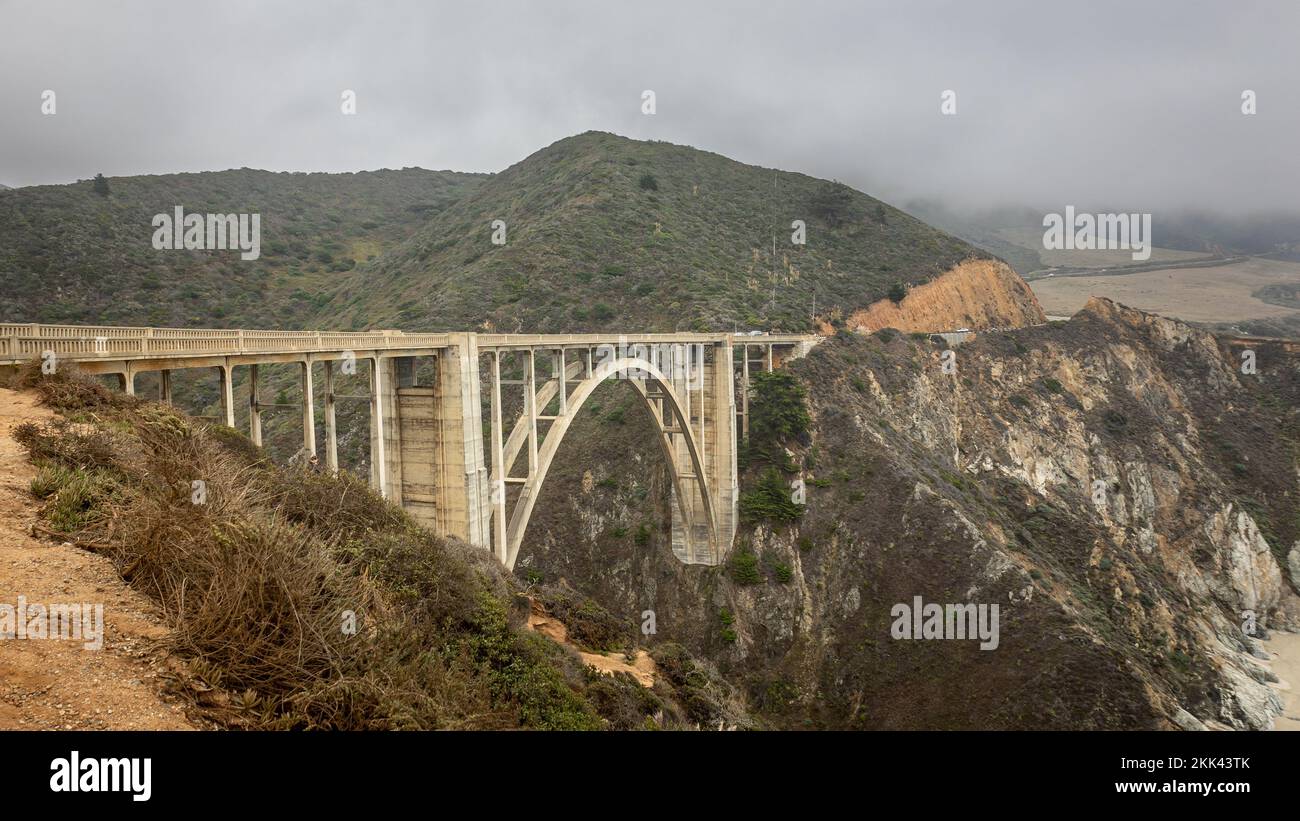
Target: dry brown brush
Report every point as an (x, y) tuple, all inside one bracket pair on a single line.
[(297, 599)]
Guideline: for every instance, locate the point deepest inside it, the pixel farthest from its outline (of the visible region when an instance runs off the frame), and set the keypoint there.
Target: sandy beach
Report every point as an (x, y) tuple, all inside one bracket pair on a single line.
[(1284, 648)]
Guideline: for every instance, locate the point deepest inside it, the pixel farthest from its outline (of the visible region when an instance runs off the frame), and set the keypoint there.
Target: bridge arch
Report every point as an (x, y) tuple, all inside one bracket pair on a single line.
[(647, 373), (427, 449)]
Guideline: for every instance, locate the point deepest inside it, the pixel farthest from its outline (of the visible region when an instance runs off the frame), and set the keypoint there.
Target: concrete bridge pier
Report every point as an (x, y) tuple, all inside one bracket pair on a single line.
[(331, 428), (254, 406), (308, 409), (431, 440), (385, 456), (225, 373)]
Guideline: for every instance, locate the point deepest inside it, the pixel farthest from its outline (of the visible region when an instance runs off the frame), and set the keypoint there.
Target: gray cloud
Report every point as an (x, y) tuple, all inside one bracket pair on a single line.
[(1131, 105)]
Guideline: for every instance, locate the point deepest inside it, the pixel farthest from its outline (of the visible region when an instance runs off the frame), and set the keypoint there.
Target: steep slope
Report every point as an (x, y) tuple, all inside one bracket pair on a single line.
[(57, 683), (1115, 484), (71, 255), (253, 579), (603, 231), (976, 294)]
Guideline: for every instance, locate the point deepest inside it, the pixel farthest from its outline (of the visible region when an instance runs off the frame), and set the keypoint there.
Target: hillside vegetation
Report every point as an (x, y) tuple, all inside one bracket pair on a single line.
[(605, 232), (69, 254), (600, 231)]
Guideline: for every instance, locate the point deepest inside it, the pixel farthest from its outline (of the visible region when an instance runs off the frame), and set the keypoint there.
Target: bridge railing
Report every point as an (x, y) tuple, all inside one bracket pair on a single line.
[(23, 341)]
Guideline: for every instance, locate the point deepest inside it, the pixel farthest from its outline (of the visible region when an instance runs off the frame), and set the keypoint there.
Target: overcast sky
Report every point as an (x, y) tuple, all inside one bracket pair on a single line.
[(1134, 104)]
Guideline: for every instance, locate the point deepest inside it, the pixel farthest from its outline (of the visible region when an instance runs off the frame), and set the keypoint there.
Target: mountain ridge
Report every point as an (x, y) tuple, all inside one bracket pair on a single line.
[(601, 229)]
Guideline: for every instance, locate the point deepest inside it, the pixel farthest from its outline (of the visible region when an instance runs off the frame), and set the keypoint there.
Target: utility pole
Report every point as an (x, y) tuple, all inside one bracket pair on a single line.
[(772, 305)]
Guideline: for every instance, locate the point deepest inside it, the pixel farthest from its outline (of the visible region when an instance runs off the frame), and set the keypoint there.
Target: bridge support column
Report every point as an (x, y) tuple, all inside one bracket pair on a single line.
[(498, 491), (308, 411), (165, 386), (227, 396), (530, 407), (726, 483), (692, 541), (462, 490), (706, 383), (385, 436), (331, 428), (128, 382), (744, 392), (254, 407)]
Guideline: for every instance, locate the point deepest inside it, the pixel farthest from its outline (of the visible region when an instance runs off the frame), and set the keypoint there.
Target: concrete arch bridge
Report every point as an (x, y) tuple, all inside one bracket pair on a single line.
[(430, 449)]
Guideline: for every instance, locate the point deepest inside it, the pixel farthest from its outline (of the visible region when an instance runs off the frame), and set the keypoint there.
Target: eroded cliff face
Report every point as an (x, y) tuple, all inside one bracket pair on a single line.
[(1126, 495), (976, 294)]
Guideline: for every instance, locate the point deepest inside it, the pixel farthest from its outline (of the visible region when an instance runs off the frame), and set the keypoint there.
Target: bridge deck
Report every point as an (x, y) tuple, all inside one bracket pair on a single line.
[(23, 342)]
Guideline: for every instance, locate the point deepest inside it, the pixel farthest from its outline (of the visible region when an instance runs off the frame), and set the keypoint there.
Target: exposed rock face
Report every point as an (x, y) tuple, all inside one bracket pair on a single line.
[(976, 294), (1126, 496), (1293, 564)]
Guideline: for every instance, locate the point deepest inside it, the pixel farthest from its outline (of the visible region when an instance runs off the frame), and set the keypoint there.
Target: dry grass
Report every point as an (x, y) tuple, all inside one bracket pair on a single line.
[(67, 389), (263, 580)]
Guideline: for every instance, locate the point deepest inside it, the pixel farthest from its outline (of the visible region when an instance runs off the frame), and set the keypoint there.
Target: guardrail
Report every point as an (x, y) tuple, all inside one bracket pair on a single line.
[(27, 341), (22, 342)]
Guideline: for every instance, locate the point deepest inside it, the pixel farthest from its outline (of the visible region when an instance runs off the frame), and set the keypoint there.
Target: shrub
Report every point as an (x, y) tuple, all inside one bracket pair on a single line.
[(78, 500), (62, 443), (898, 292), (648, 182), (1115, 422), (67, 389), (743, 567), (770, 500), (589, 625), (777, 412), (834, 202), (48, 480)]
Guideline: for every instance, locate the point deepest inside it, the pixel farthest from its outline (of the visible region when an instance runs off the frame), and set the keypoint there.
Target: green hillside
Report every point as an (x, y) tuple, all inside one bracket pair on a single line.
[(71, 255), (603, 231)]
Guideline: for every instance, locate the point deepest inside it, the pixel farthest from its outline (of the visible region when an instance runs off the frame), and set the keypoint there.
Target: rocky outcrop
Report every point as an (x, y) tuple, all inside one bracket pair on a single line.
[(976, 294), (1114, 483)]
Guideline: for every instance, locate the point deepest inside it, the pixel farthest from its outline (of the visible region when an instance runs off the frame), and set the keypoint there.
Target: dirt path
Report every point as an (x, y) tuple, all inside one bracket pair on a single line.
[(59, 684), (1284, 648)]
